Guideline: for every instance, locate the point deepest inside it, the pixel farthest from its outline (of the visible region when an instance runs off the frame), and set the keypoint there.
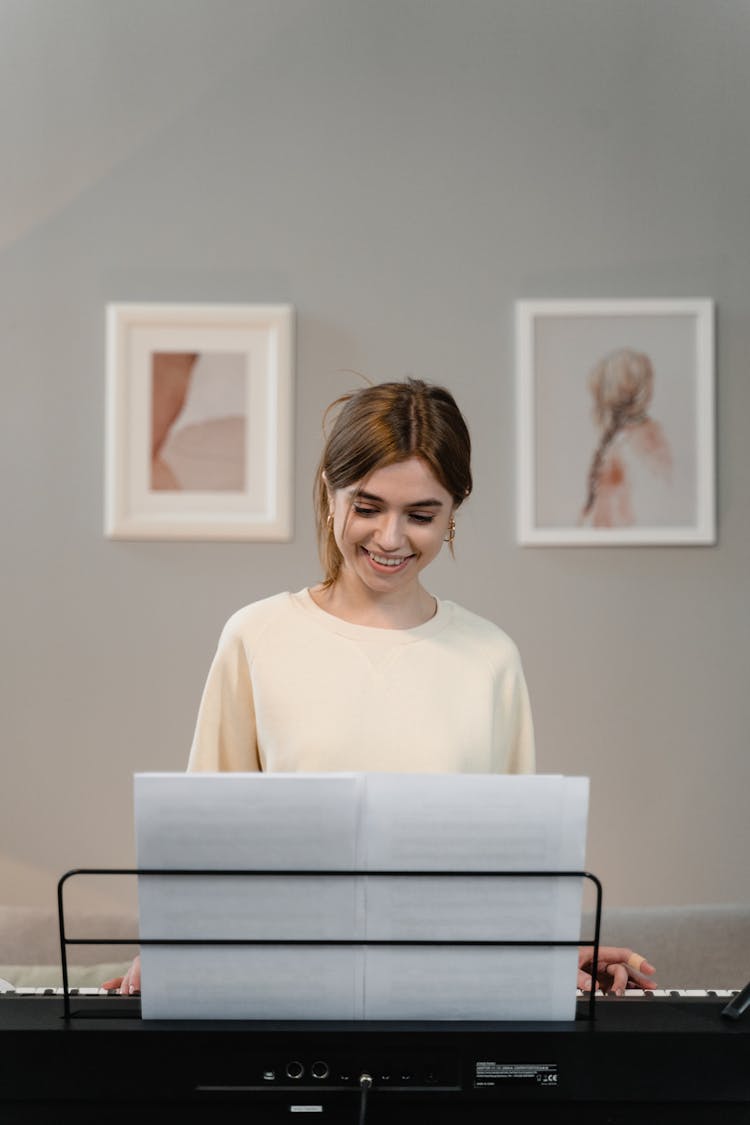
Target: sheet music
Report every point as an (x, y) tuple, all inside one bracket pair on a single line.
[(366, 822), (238, 821), (511, 823)]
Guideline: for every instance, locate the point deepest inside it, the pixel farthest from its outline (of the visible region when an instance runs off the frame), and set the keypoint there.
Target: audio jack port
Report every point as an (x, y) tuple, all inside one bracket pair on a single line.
[(320, 1070), (294, 1070)]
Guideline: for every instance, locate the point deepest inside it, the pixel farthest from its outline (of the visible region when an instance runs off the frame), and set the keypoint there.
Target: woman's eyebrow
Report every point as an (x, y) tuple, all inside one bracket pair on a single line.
[(360, 494)]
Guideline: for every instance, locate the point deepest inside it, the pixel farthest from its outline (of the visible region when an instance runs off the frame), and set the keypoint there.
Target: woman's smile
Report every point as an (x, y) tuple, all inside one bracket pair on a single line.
[(388, 562)]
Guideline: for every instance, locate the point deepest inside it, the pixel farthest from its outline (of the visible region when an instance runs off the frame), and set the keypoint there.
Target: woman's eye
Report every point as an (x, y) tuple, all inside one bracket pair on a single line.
[(415, 517)]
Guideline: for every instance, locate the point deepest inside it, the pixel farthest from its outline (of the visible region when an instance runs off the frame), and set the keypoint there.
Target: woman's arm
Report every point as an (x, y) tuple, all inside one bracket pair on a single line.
[(513, 736), (225, 734)]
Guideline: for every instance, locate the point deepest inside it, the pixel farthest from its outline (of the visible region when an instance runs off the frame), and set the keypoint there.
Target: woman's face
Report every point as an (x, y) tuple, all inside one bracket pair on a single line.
[(391, 526)]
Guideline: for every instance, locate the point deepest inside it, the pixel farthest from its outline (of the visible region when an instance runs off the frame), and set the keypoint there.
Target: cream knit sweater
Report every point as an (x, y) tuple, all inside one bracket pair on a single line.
[(293, 688)]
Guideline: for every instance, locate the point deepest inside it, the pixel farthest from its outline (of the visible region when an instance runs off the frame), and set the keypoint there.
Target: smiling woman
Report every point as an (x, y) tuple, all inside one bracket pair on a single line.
[(298, 677), (368, 671)]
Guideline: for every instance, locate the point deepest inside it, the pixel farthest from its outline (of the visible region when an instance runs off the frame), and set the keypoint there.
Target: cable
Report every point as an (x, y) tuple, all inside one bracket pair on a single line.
[(365, 1084)]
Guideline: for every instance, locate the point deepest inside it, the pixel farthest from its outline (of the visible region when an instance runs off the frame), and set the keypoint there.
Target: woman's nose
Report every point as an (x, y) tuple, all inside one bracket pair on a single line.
[(389, 533)]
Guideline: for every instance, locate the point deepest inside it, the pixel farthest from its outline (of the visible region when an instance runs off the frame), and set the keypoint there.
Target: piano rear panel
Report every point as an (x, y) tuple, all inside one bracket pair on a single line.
[(674, 1057)]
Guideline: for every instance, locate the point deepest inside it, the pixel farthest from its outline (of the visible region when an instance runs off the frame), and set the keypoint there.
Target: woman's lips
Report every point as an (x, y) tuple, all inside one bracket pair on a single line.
[(387, 564)]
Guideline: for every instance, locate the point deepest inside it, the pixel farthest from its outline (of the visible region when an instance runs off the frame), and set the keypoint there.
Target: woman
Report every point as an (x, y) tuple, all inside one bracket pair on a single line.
[(363, 671), (301, 681)]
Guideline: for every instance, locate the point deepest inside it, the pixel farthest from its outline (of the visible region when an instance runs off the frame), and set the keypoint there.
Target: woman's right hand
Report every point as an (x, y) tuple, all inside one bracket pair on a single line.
[(128, 984)]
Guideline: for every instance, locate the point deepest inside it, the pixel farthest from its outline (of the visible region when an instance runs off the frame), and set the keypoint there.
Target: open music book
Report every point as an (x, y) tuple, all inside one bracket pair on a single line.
[(360, 822)]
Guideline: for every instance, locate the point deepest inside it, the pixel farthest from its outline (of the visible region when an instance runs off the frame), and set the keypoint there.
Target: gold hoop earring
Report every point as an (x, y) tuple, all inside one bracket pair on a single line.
[(451, 531)]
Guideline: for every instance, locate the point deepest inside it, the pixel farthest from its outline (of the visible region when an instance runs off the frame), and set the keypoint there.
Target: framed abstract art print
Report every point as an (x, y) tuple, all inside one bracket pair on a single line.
[(199, 422)]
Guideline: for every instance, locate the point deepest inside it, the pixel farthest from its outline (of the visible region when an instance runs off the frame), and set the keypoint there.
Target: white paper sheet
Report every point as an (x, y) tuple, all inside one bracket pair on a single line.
[(249, 821), (360, 822), (473, 823)]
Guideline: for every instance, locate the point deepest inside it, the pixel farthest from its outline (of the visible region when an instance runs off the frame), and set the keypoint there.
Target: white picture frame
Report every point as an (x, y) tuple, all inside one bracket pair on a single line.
[(615, 422), (199, 421)]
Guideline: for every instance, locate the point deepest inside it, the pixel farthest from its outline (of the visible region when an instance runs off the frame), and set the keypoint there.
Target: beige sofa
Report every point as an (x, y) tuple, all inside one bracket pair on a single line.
[(691, 946), (30, 946)]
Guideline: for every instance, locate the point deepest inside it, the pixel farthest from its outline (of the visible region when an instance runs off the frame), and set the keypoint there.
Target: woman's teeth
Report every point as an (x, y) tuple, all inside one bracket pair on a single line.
[(382, 560)]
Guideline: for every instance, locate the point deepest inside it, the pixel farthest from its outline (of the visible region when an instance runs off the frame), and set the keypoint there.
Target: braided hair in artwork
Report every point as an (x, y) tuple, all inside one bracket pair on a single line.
[(622, 386)]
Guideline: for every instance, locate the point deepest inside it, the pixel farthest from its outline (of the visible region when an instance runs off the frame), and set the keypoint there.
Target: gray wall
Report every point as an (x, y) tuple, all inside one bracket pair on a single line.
[(400, 172)]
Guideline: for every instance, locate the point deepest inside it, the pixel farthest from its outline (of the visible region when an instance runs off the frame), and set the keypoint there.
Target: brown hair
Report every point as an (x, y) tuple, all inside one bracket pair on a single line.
[(622, 384), (379, 426)]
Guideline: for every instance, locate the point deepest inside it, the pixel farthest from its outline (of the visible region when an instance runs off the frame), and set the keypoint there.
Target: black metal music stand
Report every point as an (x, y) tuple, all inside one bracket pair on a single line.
[(65, 941)]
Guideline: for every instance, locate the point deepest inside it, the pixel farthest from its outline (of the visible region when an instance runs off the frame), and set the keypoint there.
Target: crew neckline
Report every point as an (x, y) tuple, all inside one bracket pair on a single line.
[(304, 599)]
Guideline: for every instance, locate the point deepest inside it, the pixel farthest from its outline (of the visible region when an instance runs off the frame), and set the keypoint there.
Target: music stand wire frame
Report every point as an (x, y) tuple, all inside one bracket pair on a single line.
[(65, 941)]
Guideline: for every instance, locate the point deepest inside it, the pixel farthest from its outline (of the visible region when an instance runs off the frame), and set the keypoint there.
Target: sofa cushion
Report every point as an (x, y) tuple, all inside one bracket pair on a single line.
[(706, 946), (29, 935)]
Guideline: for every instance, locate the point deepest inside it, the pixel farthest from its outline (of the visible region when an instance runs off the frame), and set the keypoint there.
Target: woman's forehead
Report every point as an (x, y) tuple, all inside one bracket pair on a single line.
[(409, 481)]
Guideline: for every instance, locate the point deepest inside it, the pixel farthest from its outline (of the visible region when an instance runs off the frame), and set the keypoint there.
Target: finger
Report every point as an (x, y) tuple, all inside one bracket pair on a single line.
[(629, 957), (638, 964), (584, 982), (639, 981), (619, 974), (132, 980), (114, 983)]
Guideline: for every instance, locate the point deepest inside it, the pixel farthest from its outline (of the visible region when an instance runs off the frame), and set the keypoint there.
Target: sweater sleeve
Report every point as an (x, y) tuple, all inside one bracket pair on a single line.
[(225, 734), (514, 727)]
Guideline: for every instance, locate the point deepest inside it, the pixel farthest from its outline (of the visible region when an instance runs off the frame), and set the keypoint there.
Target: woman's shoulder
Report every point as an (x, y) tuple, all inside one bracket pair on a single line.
[(481, 633), (256, 617)]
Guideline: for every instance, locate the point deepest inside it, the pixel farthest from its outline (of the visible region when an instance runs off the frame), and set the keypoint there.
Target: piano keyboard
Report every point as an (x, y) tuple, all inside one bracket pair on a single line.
[(16, 992), (630, 994), (669, 993)]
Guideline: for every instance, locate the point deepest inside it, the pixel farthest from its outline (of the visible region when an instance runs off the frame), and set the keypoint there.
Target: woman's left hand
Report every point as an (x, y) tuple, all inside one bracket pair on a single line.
[(617, 969)]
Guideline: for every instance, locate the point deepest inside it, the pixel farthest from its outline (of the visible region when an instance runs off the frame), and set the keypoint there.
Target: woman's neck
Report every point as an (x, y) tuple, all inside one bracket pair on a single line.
[(360, 606)]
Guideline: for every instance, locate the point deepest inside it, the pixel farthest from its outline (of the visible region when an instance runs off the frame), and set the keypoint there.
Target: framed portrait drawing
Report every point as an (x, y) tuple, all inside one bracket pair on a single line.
[(199, 422), (615, 422)]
